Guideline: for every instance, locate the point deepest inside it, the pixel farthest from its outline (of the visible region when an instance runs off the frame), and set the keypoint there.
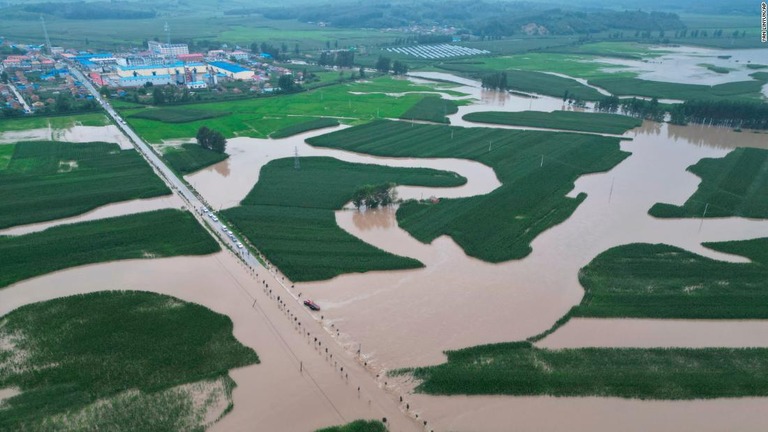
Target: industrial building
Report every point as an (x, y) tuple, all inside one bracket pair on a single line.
[(168, 49), (231, 70)]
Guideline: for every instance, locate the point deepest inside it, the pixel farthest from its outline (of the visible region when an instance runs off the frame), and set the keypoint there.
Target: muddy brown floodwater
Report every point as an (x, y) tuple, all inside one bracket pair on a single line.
[(296, 387), (107, 211), (75, 134), (226, 183), (407, 318)]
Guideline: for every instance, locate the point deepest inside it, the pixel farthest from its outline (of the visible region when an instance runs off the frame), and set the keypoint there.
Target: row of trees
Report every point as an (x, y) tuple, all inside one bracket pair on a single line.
[(211, 139), (736, 114), (497, 81), (385, 64), (338, 58), (646, 109), (374, 196)]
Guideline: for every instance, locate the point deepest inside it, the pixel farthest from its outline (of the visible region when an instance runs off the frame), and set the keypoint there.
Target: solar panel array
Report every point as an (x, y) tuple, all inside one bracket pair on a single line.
[(438, 51)]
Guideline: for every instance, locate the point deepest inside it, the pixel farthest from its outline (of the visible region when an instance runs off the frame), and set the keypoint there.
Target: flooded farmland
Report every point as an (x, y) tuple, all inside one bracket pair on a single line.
[(75, 134), (408, 318)]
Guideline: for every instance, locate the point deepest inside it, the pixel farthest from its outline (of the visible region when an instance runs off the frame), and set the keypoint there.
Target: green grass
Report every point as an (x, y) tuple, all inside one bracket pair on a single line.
[(521, 369), (569, 120), (622, 86), (42, 183), (736, 185), (178, 115), (531, 81), (433, 109), (289, 215), (124, 351), (305, 126), (716, 69), (55, 122), (160, 233), (6, 153), (498, 226), (756, 66), (261, 117), (357, 426), (661, 281), (191, 157)]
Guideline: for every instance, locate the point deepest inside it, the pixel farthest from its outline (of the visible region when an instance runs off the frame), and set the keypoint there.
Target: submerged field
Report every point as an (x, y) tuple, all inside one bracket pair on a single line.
[(531, 81), (289, 215), (155, 234), (568, 120), (521, 369), (55, 122), (191, 157), (537, 170), (736, 185), (47, 180), (260, 117), (117, 361), (660, 281), (745, 90)]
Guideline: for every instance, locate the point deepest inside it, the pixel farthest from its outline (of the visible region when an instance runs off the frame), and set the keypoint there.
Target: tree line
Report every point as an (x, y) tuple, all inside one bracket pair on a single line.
[(211, 139), (385, 64), (337, 58)]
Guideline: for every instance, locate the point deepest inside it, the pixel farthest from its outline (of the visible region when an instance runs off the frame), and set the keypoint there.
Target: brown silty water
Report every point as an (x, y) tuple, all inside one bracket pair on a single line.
[(75, 134), (296, 387), (106, 211)]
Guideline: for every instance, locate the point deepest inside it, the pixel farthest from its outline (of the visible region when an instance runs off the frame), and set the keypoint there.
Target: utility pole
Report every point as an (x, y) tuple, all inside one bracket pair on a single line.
[(45, 32), (296, 161)]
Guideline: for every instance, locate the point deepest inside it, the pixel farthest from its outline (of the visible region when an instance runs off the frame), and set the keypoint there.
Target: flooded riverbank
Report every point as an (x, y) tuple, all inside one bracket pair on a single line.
[(103, 212), (294, 376), (226, 183), (651, 333)]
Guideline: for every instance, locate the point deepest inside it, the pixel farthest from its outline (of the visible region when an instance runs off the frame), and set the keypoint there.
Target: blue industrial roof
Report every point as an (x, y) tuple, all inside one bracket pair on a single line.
[(177, 65), (229, 67)]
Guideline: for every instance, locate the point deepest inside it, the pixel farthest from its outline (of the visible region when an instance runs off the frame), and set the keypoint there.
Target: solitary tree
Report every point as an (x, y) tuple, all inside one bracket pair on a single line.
[(383, 64)]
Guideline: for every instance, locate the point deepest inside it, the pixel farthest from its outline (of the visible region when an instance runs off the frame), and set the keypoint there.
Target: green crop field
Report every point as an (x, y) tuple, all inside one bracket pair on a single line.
[(521, 369), (530, 81), (178, 115), (498, 226), (432, 109), (6, 153), (622, 86), (49, 180), (259, 117), (736, 185), (756, 66), (118, 361), (306, 126), (160, 233), (54, 122), (569, 120), (191, 157), (660, 281), (289, 215), (358, 426)]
